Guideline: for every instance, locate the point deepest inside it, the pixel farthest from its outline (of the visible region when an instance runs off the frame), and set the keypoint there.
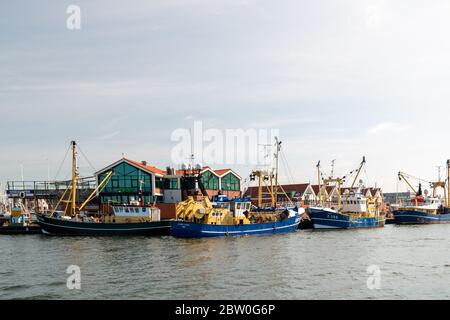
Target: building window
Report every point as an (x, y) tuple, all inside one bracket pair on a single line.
[(171, 184), (231, 183), (159, 183), (210, 181), (125, 184)]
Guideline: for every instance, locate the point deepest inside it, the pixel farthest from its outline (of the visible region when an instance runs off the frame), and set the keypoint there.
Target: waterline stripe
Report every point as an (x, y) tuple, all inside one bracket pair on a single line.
[(423, 217), (266, 229)]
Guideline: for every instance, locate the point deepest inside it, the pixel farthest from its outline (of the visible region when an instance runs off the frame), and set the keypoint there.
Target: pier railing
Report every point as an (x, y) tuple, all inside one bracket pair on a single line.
[(46, 188)]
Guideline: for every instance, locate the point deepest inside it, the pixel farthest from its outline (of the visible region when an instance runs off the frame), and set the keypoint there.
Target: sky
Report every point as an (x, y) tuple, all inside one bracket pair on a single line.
[(339, 79)]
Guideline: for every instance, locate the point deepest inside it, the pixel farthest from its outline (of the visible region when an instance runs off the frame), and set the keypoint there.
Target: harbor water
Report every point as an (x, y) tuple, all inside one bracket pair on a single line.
[(414, 262)]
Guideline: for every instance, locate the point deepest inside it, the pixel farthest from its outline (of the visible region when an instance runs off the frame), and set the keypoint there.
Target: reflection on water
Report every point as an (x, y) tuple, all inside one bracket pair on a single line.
[(414, 261)]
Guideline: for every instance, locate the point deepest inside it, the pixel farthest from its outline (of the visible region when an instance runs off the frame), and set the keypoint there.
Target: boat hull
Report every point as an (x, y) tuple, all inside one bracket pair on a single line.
[(52, 226), (181, 229), (330, 219), (420, 217), (18, 229)]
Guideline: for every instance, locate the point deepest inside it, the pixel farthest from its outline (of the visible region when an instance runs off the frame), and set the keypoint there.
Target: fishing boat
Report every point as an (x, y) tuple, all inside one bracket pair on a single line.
[(354, 209), (18, 221), (118, 220), (199, 217), (425, 209)]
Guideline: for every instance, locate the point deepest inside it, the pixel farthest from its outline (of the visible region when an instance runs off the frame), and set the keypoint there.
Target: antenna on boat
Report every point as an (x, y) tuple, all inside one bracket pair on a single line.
[(439, 172), (277, 157), (74, 178), (448, 183), (333, 162), (319, 182)]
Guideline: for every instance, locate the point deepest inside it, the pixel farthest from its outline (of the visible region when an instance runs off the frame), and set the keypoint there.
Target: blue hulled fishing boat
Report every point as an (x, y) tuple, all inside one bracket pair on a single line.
[(419, 215), (354, 209), (425, 209), (232, 218), (198, 216)]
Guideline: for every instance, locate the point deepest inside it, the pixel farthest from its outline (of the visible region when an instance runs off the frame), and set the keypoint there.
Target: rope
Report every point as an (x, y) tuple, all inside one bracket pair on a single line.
[(288, 168), (62, 163), (87, 160), (285, 166), (59, 202)]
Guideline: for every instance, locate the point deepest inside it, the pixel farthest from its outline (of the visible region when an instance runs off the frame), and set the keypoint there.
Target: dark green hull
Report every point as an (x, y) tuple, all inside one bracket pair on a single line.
[(61, 227), (18, 229)]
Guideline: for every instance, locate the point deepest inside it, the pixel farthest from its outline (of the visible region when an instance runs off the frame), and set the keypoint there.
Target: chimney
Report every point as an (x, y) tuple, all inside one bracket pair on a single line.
[(144, 163)]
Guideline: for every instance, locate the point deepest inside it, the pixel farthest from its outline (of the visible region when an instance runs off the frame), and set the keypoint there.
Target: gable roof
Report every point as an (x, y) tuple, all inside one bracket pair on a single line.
[(316, 188), (219, 172), (330, 189), (298, 188), (146, 167), (288, 188), (223, 172), (140, 165)]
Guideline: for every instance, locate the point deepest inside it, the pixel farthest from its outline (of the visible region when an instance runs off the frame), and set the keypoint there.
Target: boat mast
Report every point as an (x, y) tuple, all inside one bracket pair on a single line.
[(74, 179), (359, 171), (448, 183), (259, 190), (337, 183), (320, 185), (277, 154)]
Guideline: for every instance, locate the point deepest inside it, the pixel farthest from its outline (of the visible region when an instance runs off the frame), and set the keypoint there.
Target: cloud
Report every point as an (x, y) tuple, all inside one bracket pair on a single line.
[(109, 136), (388, 127)]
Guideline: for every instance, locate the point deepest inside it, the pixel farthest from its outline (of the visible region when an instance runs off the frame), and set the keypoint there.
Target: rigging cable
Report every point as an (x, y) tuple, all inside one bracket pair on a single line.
[(87, 160), (288, 168), (62, 163)]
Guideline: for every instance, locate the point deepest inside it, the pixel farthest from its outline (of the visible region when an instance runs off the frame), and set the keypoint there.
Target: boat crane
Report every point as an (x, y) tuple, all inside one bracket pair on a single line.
[(340, 181), (432, 210), (434, 185), (363, 162), (270, 179)]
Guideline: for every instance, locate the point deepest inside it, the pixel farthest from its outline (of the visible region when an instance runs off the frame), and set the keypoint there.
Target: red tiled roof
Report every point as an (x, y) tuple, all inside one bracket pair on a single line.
[(218, 172), (373, 191), (221, 172), (345, 189), (316, 188), (146, 167), (297, 188)]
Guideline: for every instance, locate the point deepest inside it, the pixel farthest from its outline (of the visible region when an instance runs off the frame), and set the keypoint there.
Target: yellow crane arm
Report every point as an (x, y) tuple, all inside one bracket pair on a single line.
[(99, 188), (401, 176)]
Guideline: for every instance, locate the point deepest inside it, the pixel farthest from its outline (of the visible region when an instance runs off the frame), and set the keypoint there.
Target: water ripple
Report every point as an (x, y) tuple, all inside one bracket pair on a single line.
[(304, 265)]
